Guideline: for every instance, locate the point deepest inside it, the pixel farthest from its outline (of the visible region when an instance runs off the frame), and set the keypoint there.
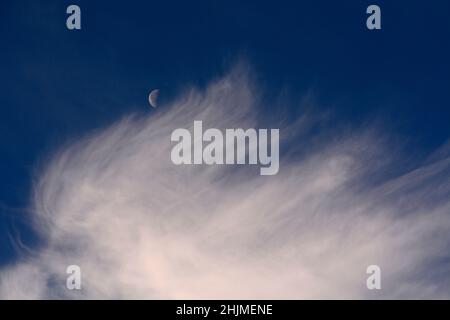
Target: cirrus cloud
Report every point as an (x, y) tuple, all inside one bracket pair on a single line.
[(141, 227)]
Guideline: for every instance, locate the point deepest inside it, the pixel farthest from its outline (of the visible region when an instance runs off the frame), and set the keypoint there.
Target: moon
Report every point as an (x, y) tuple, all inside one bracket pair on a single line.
[(153, 98)]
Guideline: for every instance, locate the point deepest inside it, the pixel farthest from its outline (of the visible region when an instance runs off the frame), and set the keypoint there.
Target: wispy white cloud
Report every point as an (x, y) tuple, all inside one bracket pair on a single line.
[(140, 227)]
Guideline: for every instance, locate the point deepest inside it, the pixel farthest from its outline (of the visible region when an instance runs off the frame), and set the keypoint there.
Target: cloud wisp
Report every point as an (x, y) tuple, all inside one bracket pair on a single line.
[(141, 227)]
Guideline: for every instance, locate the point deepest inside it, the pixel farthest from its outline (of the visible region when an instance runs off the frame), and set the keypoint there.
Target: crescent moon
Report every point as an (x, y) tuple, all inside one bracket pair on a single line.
[(153, 98)]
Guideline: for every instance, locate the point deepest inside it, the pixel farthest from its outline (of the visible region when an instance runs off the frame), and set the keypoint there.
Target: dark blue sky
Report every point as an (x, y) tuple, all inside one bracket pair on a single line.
[(58, 84)]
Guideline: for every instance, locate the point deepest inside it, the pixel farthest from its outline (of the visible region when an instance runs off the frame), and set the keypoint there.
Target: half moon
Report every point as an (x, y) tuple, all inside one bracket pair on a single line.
[(153, 98)]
